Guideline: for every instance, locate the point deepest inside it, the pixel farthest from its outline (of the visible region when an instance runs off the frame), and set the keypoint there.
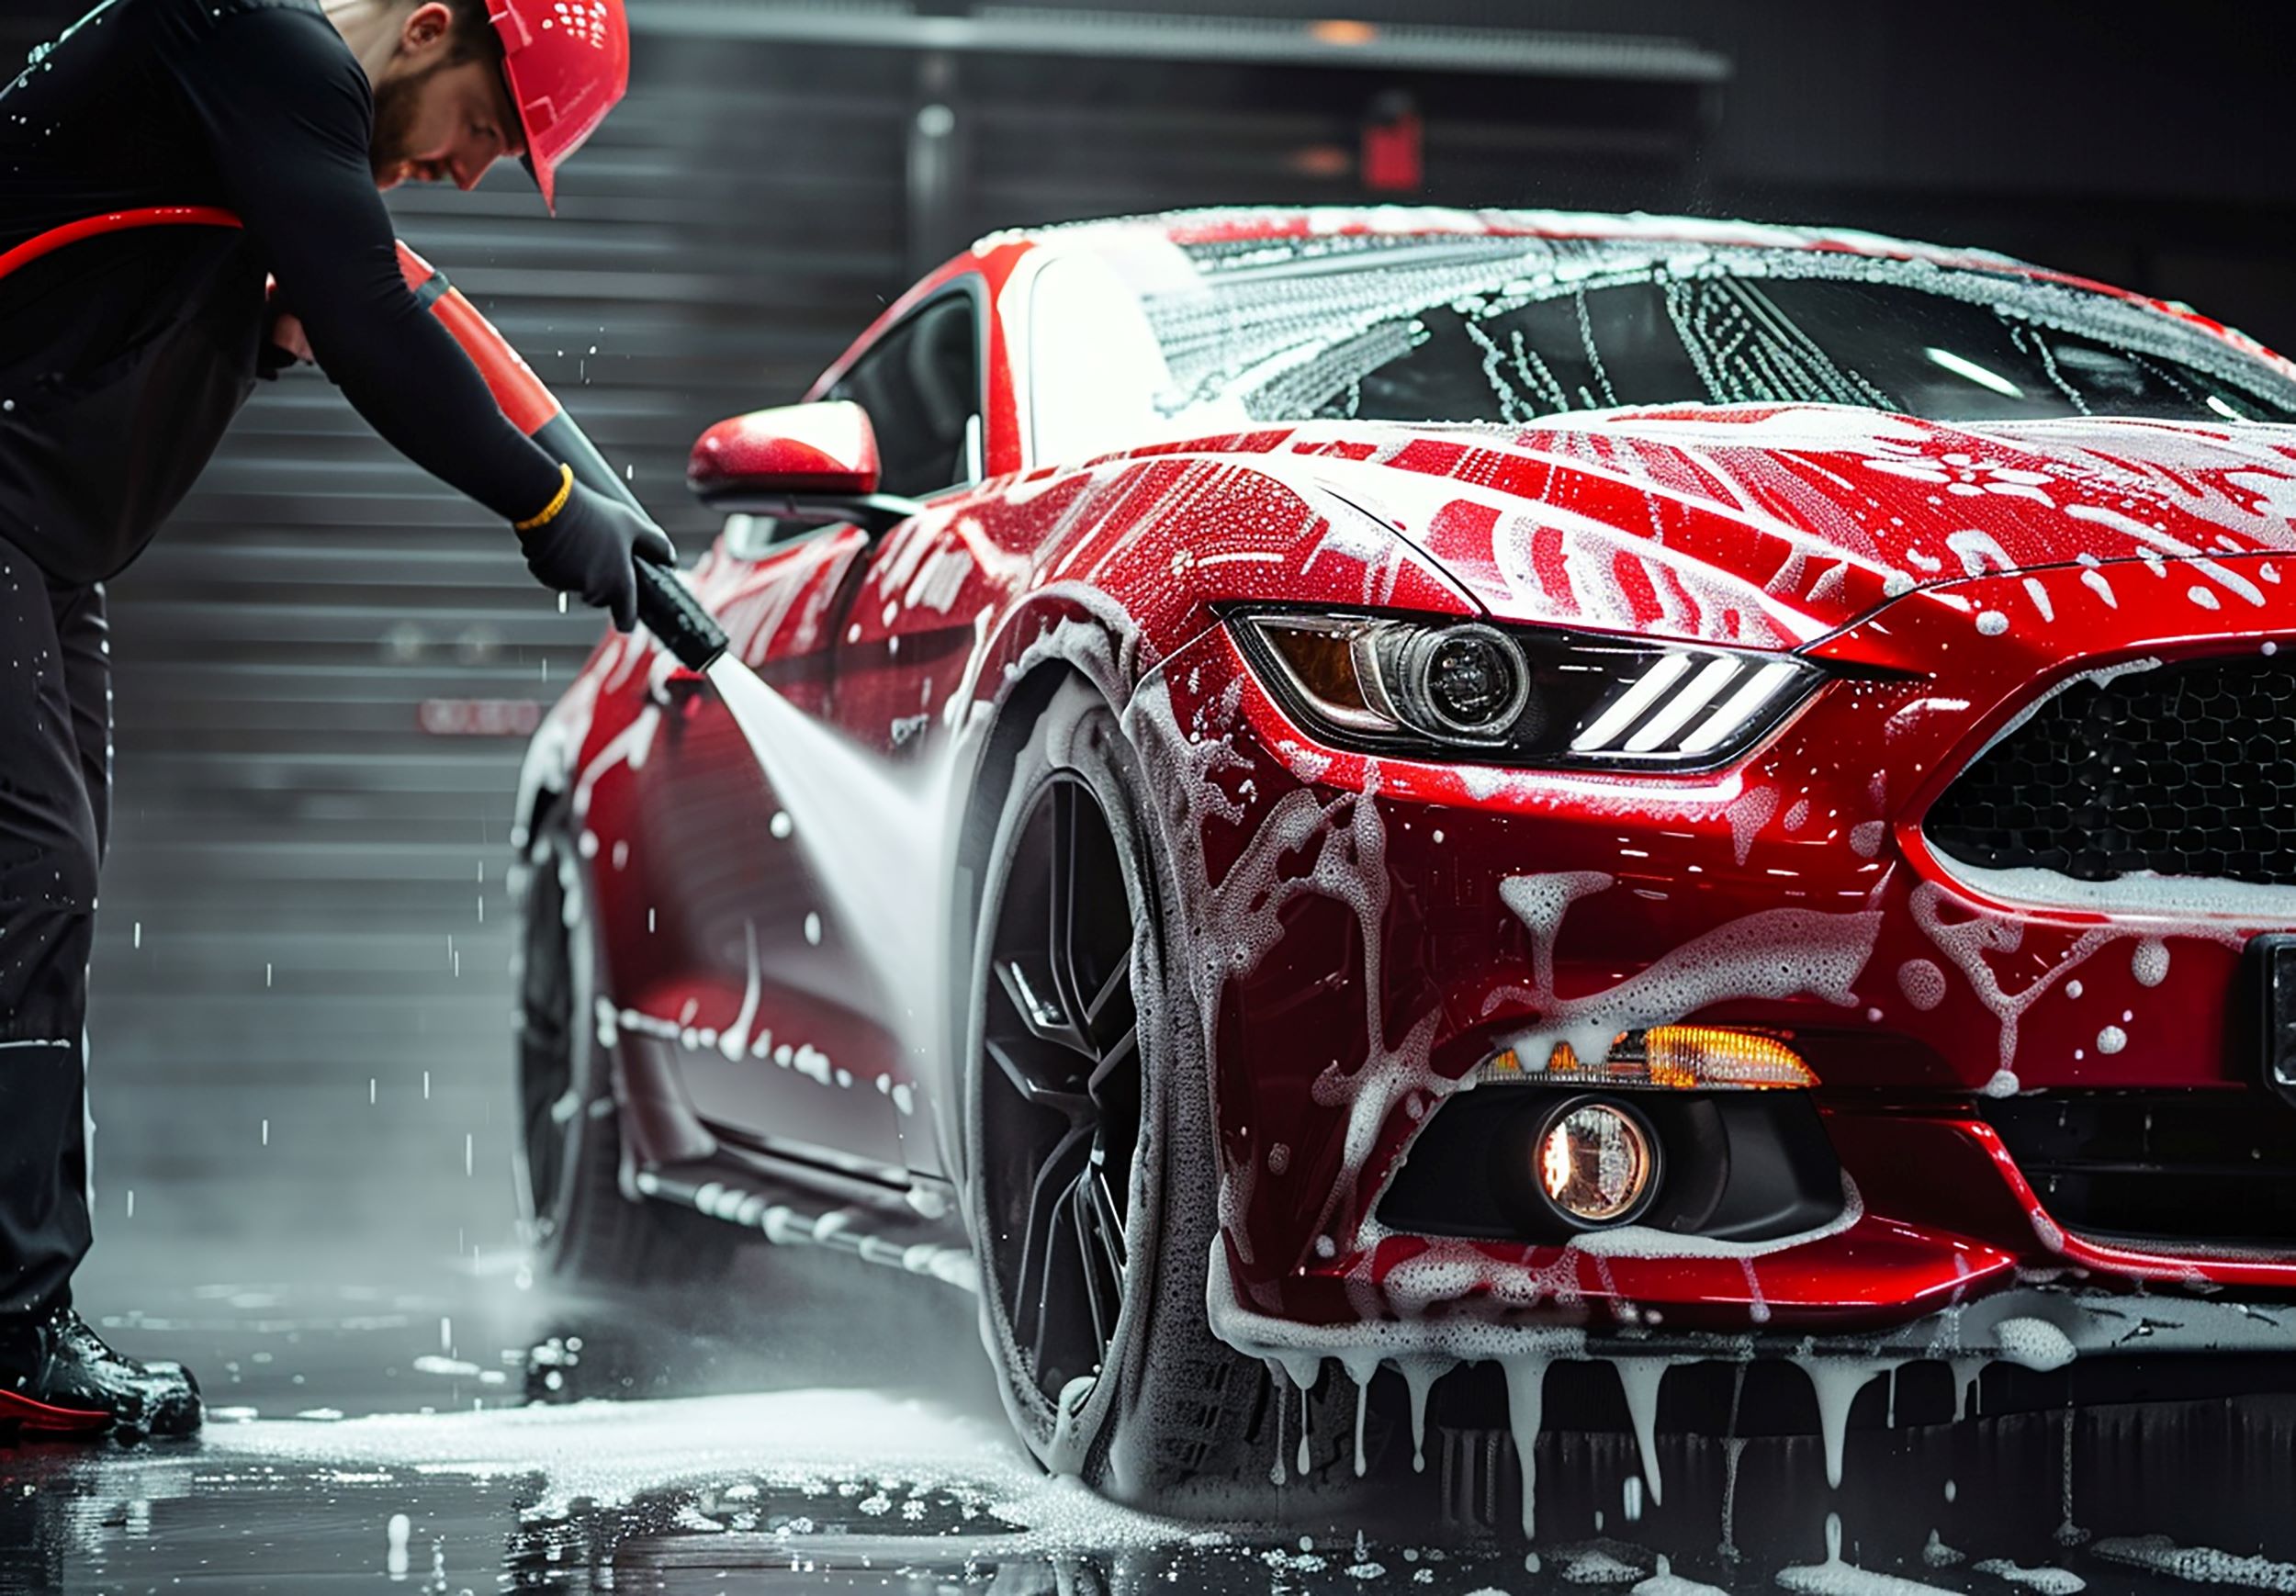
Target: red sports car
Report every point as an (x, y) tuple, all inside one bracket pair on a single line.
[(1343, 792)]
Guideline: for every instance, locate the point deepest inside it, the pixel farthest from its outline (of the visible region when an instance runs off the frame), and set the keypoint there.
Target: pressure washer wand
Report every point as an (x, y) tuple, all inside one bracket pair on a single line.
[(665, 605)]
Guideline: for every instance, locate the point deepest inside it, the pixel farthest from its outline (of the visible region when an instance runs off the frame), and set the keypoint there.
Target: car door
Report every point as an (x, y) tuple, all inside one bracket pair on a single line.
[(770, 1022), (909, 631)]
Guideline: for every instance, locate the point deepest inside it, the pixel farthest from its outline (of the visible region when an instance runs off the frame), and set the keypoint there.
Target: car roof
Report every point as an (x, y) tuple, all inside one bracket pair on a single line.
[(1244, 224), (995, 258)]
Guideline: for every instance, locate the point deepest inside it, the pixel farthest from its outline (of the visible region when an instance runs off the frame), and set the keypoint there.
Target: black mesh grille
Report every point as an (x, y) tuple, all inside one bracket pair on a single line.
[(2200, 1167), (2189, 769)]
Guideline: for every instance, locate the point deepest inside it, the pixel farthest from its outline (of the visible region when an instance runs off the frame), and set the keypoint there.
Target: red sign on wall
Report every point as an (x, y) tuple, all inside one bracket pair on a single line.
[(478, 717)]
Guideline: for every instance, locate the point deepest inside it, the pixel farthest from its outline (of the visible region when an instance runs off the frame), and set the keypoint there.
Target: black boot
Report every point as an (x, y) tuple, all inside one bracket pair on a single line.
[(57, 1377)]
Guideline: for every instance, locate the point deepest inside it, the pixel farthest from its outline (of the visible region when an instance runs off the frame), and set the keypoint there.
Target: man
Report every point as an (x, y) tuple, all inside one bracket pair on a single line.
[(122, 359)]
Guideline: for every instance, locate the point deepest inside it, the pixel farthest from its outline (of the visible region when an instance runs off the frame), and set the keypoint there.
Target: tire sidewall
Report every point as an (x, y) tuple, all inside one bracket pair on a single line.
[(1078, 737), (591, 1150)]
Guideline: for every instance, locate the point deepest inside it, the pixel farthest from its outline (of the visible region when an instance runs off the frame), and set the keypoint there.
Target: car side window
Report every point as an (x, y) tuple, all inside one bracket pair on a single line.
[(921, 384)]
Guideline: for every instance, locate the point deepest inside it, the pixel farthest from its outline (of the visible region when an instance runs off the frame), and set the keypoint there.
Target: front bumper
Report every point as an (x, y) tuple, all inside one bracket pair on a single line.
[(2036, 1325), (1796, 893)]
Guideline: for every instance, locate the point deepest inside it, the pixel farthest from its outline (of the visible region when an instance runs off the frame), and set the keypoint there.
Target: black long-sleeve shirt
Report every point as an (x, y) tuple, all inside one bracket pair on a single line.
[(122, 359)]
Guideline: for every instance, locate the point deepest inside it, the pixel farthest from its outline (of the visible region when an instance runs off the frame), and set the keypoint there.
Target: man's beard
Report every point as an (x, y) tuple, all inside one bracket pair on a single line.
[(396, 103)]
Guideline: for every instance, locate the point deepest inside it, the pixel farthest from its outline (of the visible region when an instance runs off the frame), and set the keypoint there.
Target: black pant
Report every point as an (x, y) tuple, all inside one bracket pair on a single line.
[(55, 817)]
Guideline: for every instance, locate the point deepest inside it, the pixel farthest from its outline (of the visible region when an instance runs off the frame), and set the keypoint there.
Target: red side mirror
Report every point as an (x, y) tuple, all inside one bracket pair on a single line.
[(823, 450)]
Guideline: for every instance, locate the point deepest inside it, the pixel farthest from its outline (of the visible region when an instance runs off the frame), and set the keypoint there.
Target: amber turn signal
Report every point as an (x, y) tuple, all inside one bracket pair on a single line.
[(1681, 1057)]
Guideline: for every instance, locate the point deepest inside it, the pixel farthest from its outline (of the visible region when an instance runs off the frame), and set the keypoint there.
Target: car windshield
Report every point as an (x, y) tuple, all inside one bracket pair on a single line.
[(1465, 330)]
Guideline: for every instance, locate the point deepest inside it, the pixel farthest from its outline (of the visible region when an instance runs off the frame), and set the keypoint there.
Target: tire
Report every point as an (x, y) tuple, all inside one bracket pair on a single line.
[(1170, 1418), (581, 1225)]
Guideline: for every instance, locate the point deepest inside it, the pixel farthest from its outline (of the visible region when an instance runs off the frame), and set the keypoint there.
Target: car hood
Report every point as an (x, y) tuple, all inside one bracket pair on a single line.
[(1773, 526)]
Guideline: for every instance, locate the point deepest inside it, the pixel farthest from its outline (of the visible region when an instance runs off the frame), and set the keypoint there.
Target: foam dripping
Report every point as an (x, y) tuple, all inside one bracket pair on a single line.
[(1419, 1378), (1526, 1407), (1640, 1378), (1837, 1381), (1362, 1367)]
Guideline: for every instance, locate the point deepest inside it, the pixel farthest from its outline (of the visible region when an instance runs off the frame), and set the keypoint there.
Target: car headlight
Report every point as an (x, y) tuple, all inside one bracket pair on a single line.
[(1519, 695)]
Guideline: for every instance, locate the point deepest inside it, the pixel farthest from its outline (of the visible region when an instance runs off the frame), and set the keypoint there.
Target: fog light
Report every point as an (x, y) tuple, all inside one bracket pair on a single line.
[(1597, 1162)]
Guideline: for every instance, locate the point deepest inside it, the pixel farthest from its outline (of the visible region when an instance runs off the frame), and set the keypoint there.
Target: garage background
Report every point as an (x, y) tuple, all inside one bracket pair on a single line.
[(301, 1028)]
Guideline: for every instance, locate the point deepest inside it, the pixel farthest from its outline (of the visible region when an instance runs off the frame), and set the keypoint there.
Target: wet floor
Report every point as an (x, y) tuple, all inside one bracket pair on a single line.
[(803, 1427)]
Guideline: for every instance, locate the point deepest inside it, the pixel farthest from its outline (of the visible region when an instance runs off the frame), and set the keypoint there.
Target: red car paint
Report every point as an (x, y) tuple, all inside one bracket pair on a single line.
[(1766, 528)]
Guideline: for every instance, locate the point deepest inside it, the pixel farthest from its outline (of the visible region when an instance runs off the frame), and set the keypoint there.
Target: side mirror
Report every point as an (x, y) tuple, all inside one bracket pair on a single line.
[(808, 462)]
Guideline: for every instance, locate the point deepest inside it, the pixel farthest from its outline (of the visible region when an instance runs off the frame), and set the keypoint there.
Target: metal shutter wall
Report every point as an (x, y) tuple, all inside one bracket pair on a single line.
[(306, 891)]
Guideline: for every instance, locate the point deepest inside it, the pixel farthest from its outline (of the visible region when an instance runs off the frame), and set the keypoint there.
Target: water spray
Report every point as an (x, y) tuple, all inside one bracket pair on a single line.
[(879, 842)]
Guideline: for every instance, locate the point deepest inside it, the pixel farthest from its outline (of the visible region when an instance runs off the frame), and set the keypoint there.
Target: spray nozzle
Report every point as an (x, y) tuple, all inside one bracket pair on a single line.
[(667, 609)]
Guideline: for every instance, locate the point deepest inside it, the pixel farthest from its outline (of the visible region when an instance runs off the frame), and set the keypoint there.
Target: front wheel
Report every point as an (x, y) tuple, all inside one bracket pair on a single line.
[(1091, 1177)]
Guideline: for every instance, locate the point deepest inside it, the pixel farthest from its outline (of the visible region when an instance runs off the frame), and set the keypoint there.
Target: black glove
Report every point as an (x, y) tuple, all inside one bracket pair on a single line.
[(589, 547)]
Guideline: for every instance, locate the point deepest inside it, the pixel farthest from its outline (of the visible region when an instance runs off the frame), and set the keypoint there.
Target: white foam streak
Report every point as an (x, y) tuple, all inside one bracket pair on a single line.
[(2198, 1565), (609, 1452), (2047, 1580), (1835, 1578), (1771, 953)]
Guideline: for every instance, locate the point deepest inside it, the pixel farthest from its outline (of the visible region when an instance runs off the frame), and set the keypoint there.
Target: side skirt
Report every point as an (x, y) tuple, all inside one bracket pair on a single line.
[(789, 1216)]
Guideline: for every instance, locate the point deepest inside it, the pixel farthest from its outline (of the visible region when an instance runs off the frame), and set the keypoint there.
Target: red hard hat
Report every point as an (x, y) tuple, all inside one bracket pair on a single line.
[(569, 63)]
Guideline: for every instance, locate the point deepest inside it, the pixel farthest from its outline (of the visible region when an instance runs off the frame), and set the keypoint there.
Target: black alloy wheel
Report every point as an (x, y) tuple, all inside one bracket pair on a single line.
[(1090, 1175), (1061, 1107)]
